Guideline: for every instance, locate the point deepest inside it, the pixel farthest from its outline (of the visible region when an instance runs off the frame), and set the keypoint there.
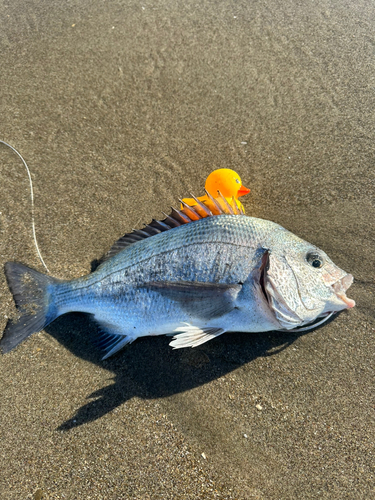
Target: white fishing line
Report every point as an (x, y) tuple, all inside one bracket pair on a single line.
[(32, 202)]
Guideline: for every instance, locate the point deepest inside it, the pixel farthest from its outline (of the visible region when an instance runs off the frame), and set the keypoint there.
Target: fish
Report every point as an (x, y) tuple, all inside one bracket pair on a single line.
[(193, 282)]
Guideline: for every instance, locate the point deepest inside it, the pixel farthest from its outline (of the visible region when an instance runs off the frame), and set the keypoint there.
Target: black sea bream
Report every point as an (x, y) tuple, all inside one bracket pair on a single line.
[(227, 273)]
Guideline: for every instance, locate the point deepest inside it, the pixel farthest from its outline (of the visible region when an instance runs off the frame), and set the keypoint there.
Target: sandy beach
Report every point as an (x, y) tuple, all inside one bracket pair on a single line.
[(120, 108)]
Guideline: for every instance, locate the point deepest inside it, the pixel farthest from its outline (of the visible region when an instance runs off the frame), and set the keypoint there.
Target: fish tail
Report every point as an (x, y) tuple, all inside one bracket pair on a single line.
[(32, 293)]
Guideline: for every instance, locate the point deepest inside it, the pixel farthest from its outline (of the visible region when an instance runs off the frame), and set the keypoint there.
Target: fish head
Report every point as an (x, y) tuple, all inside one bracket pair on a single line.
[(301, 283)]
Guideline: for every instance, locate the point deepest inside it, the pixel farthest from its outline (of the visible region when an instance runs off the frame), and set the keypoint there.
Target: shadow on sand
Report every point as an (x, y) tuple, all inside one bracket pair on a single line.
[(150, 369)]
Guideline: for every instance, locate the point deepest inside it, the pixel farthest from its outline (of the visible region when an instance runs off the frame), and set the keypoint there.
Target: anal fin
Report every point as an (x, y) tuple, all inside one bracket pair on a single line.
[(111, 341), (192, 336)]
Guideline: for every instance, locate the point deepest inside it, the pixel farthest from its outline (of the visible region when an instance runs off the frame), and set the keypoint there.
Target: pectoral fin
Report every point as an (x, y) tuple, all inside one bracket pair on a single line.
[(201, 300), (192, 336)]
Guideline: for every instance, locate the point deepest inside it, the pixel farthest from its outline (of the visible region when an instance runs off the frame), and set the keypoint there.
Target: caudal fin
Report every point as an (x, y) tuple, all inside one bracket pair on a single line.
[(32, 294)]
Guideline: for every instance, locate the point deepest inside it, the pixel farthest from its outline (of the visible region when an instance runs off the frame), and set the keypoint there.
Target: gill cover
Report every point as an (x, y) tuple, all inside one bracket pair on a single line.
[(281, 289)]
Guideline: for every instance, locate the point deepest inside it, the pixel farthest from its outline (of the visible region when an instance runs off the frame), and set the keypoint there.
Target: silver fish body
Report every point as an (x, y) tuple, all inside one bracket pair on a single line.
[(197, 281)]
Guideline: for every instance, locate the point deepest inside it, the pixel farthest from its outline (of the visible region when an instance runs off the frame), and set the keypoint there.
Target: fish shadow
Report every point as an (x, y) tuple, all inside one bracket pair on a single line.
[(150, 369)]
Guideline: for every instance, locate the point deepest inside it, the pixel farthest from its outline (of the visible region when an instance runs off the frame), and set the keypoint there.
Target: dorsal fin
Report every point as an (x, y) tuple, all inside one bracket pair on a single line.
[(174, 219)]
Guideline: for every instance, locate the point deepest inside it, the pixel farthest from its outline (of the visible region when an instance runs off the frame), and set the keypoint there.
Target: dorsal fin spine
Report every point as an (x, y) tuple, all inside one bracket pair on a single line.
[(226, 204), (180, 216), (236, 208), (216, 204), (202, 206), (171, 221), (150, 231), (189, 211), (161, 225)]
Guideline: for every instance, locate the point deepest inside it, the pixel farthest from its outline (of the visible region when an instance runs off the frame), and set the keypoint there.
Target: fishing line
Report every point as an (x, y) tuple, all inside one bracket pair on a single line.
[(32, 202)]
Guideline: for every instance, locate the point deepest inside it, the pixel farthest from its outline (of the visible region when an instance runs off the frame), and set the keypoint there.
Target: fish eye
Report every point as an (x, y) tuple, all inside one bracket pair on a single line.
[(315, 260)]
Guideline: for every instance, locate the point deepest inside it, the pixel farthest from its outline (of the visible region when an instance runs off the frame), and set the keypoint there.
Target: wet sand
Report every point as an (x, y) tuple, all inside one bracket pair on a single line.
[(120, 108)]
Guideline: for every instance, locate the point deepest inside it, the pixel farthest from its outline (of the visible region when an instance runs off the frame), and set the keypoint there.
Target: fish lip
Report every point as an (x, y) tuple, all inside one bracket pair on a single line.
[(340, 287)]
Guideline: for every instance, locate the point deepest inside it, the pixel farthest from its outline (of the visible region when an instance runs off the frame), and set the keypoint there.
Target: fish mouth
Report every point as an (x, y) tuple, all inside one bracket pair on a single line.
[(340, 287)]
